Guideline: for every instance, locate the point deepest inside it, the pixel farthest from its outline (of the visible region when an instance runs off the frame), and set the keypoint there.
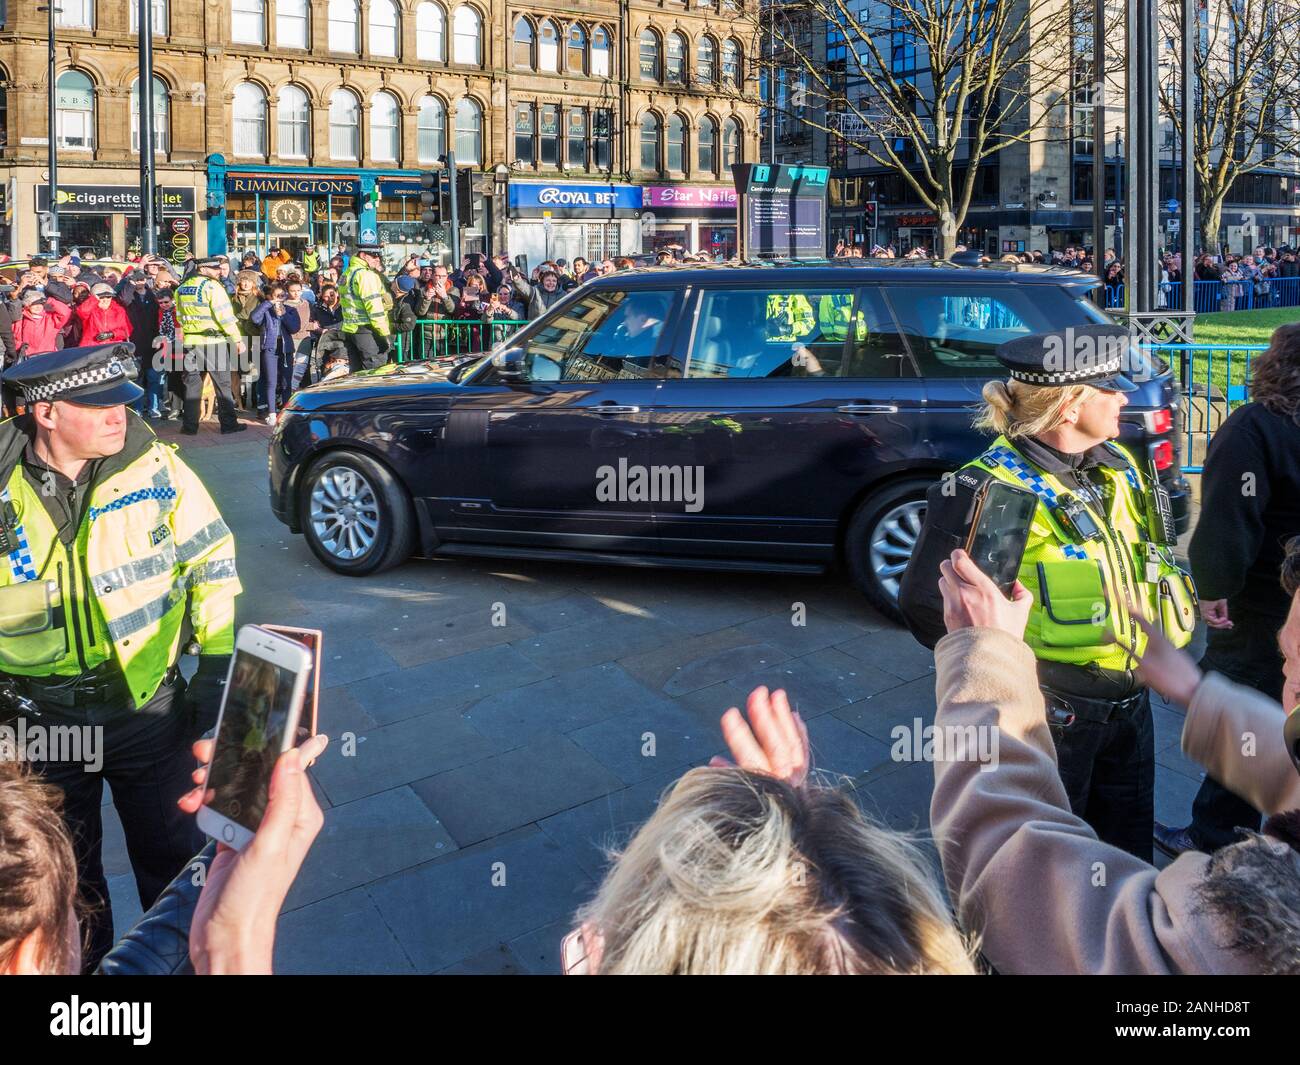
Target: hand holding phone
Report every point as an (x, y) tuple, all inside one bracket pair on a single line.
[(999, 532)]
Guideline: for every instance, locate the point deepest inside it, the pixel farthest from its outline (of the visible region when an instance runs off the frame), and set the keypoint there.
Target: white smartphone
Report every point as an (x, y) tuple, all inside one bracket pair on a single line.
[(259, 720)]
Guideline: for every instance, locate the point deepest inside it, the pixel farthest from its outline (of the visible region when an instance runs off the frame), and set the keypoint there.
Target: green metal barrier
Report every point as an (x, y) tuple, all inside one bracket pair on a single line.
[(446, 338)]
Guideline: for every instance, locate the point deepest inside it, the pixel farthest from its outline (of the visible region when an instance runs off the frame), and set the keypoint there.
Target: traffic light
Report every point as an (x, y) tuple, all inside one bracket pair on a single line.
[(869, 215), (430, 198), (464, 193)]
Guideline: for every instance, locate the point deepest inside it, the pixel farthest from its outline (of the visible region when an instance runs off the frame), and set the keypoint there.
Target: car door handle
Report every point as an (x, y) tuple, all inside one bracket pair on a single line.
[(868, 408), (615, 408)]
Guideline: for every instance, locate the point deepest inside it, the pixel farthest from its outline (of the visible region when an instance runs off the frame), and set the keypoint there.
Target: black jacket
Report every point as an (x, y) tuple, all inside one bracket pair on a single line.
[(1250, 506), (159, 944)]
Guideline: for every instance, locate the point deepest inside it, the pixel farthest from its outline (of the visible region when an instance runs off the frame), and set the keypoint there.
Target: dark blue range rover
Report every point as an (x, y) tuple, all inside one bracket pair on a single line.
[(769, 417)]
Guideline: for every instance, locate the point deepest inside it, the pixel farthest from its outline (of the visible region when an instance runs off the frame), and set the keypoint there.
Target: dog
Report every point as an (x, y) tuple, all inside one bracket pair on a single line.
[(208, 401)]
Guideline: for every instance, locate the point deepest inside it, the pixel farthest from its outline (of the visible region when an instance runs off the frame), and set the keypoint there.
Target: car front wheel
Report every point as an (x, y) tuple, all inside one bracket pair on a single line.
[(356, 516), (880, 540)]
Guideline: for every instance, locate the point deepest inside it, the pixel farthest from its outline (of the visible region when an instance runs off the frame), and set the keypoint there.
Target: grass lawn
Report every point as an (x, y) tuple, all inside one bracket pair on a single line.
[(1242, 327)]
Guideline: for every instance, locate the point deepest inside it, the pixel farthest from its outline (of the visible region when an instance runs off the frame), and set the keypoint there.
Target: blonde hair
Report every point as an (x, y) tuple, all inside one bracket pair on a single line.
[(1015, 408), (741, 873)]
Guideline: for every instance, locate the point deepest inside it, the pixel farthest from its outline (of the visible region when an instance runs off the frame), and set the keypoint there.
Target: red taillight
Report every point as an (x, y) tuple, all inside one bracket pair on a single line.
[(1162, 421), (1163, 455)]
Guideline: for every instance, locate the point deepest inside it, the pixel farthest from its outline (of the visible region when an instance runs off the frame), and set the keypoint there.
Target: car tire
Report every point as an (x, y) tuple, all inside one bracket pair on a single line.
[(356, 517), (879, 540)]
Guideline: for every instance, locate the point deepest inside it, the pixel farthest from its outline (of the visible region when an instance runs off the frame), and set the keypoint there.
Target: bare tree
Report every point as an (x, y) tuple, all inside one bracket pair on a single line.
[(932, 88), (1246, 93)]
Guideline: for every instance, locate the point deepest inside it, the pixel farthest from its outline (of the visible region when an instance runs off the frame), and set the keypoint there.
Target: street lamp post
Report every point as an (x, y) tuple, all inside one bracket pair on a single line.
[(51, 9), (148, 224)]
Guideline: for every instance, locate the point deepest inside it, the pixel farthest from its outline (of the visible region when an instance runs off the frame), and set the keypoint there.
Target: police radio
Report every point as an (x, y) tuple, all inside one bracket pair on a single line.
[(1159, 512), (1076, 518)]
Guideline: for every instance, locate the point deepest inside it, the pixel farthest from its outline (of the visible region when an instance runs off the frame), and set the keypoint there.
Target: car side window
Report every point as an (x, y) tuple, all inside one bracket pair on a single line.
[(770, 332), (876, 348), (606, 335), (955, 332)]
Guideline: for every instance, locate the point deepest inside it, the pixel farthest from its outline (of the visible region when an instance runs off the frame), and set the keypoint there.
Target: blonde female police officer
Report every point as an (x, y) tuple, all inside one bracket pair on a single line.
[(1099, 547), (112, 558)]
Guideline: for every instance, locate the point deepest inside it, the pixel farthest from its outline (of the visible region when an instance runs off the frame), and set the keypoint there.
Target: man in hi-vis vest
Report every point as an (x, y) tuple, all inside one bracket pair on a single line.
[(113, 560)]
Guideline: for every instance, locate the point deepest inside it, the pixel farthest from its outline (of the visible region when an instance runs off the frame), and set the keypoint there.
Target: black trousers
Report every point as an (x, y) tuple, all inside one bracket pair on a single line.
[(193, 382), (363, 349), (146, 762), (1107, 762), (1246, 653)]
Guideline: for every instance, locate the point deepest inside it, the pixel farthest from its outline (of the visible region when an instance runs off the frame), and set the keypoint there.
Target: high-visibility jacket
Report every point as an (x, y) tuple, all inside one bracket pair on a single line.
[(1082, 588), (205, 313), (793, 314), (151, 550), (361, 297)]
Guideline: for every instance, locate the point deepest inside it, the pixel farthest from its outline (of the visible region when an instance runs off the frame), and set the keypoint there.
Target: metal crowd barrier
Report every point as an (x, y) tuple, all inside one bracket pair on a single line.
[(1212, 296), (1215, 381), (446, 338)]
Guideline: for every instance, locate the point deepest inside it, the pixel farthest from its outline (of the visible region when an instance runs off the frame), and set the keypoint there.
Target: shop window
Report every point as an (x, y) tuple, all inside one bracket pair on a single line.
[(291, 25), (469, 133), (577, 147), (650, 56), (548, 135), (385, 130), (707, 147), (650, 133), (548, 49), (160, 116), (600, 50), (430, 33), (247, 21), (431, 134), (676, 144), (525, 44), (250, 121), (524, 128), (576, 60), (467, 29), (345, 126), (157, 19), (293, 140), (344, 31), (383, 28)]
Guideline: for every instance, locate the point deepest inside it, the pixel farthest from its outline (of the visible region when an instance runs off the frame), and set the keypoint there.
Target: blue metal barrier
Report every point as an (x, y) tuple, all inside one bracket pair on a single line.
[(1215, 381)]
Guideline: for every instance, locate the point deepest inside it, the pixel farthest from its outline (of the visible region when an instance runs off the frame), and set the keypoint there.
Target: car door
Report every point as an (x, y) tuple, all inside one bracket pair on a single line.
[(554, 460), (795, 397)]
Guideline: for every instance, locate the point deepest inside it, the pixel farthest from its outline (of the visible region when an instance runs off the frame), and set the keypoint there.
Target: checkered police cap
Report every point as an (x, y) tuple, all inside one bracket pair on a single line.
[(101, 375), (1079, 355)]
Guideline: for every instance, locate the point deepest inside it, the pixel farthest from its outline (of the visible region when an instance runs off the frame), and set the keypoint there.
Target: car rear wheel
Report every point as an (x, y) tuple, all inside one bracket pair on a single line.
[(356, 517), (880, 539)]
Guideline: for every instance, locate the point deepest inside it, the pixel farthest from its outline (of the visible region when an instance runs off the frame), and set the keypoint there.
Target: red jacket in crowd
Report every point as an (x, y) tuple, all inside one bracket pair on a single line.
[(95, 320), (41, 333)]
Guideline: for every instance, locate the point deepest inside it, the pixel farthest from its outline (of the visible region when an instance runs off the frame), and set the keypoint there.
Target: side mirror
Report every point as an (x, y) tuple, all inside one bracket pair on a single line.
[(510, 365)]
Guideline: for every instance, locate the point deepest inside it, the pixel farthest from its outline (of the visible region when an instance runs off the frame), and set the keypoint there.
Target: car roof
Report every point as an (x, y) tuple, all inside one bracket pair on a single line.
[(884, 270)]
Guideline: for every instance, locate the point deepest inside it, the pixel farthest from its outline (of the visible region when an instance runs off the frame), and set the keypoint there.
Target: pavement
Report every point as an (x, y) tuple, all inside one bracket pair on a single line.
[(497, 727)]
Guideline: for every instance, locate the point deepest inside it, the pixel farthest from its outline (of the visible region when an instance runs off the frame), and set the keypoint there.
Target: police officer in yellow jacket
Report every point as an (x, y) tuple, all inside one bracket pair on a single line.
[(213, 344), (1099, 547), (113, 559), (366, 329)]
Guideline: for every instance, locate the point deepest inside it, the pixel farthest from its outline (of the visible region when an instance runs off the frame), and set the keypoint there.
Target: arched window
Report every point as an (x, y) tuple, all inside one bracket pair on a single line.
[(650, 56), (705, 60), (676, 65), (731, 64), (383, 28), (731, 153), (469, 133), (293, 135), (524, 55), (247, 21), (250, 120), (707, 140), (430, 33), (600, 66), (292, 29), (548, 47), (344, 33), (75, 14), (160, 116), (467, 32), (676, 144), (575, 60), (650, 142), (76, 110), (158, 18), (385, 132), (431, 131), (345, 126)]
